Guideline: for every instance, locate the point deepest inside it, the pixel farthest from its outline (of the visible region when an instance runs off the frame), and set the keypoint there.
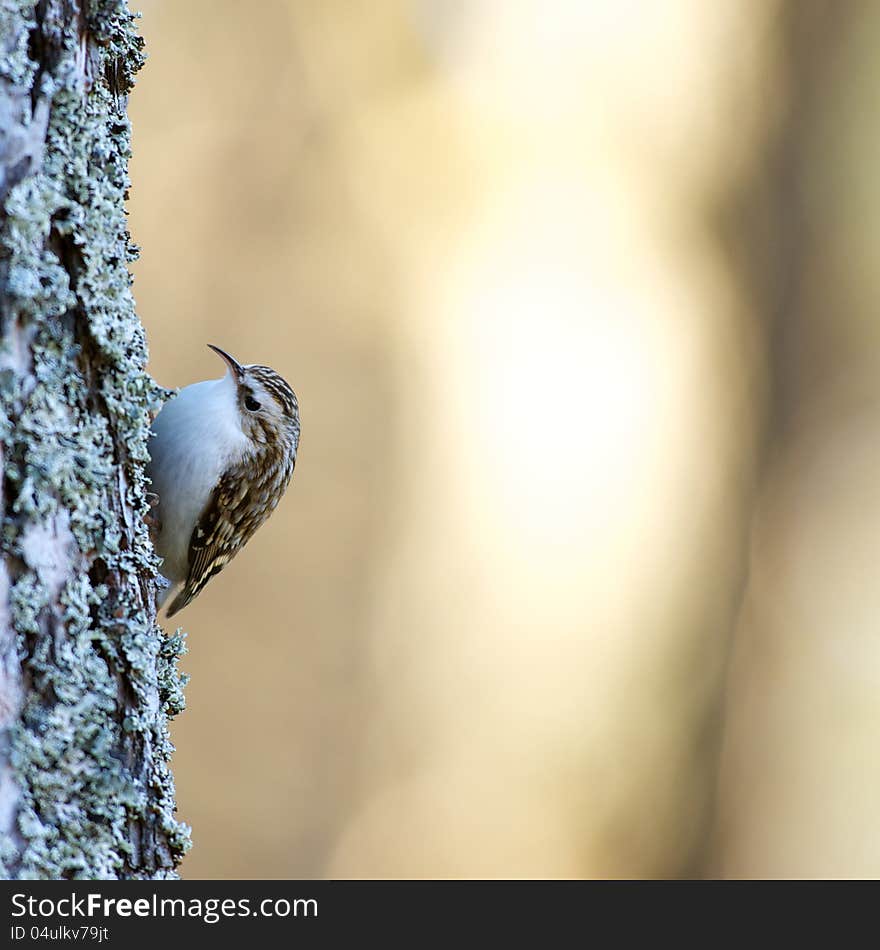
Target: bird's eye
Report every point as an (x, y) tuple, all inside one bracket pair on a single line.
[(251, 403)]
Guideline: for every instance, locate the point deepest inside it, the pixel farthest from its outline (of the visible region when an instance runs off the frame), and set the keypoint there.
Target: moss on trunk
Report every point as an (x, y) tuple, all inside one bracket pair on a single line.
[(87, 682)]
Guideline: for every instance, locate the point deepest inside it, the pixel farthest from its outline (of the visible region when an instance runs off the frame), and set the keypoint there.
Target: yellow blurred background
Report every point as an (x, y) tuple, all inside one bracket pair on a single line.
[(577, 573)]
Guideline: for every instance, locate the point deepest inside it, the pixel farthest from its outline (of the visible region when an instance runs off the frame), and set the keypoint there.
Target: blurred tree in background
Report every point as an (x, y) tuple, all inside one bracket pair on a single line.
[(799, 765)]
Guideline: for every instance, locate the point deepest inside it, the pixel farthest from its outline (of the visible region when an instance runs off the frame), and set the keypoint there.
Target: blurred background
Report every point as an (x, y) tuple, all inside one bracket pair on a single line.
[(577, 576)]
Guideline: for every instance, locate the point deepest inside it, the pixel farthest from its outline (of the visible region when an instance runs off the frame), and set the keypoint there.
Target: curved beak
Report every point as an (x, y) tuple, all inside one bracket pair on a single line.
[(235, 367)]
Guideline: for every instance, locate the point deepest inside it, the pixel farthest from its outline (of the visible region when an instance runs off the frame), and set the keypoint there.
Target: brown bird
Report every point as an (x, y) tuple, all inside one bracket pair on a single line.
[(222, 456)]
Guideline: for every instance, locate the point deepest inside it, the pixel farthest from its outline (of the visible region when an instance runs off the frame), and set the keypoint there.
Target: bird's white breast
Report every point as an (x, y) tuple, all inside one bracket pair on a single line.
[(197, 435)]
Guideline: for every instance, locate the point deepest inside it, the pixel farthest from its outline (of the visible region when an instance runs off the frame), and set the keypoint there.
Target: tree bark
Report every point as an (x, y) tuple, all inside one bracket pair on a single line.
[(87, 682)]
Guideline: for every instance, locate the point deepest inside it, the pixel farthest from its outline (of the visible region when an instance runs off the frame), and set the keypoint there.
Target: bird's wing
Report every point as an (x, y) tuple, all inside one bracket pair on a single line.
[(222, 529)]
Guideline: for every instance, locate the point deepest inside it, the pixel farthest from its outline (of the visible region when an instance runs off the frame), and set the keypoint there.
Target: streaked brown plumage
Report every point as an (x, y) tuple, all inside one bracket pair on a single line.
[(223, 455)]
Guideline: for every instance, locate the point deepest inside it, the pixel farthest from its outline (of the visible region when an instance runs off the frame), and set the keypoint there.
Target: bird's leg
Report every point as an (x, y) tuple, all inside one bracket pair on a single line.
[(163, 589)]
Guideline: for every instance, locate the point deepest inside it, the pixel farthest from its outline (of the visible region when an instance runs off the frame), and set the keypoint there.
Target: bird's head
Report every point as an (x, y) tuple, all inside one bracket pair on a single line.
[(268, 410)]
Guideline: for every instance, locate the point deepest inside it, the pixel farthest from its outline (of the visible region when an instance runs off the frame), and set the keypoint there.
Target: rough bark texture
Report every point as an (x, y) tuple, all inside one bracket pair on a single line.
[(86, 679)]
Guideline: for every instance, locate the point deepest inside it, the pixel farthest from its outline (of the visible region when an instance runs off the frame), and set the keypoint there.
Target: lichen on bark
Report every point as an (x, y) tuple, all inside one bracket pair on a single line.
[(87, 682)]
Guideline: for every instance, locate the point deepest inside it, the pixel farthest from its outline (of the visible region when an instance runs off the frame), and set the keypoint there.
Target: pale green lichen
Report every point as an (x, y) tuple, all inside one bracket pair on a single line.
[(90, 747)]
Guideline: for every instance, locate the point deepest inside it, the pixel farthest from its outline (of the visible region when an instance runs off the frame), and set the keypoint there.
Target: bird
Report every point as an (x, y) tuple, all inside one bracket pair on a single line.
[(222, 454)]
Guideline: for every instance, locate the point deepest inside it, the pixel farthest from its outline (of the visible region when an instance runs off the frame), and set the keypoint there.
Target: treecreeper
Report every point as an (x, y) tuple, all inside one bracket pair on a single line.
[(222, 455)]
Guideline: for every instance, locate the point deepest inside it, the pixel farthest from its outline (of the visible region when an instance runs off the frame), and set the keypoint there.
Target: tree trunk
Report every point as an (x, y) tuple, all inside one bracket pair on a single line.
[(86, 680)]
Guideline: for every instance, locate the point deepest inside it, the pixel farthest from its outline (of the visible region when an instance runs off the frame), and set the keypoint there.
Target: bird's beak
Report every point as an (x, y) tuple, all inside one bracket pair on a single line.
[(235, 367)]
